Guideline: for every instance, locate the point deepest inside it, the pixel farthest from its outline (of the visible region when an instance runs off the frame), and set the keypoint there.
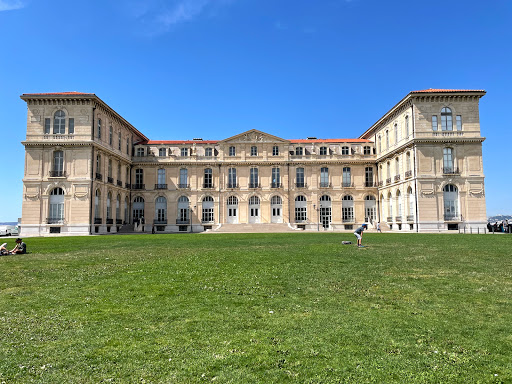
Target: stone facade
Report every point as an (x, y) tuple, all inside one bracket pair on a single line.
[(87, 170)]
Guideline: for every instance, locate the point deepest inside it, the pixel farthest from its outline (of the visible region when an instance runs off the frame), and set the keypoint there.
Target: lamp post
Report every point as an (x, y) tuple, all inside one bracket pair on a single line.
[(317, 217)]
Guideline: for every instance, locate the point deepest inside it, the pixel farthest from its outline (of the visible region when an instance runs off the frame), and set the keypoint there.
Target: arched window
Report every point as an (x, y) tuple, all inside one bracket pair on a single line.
[(451, 202), (300, 209), (347, 209), (138, 208), (161, 210), (207, 207), (324, 177), (56, 213), (446, 119), (232, 200), (58, 164), (276, 200), (59, 122), (183, 210), (399, 205), (254, 200), (370, 209), (232, 208)]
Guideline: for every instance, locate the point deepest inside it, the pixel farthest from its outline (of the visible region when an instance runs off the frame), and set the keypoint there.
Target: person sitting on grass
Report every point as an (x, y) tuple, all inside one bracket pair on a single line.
[(359, 234), (20, 248), (3, 250)]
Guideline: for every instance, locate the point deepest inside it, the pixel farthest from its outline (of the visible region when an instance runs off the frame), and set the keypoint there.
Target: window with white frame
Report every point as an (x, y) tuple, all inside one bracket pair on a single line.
[(58, 164), (368, 176), (139, 178), (254, 150), (347, 178), (434, 123), (161, 210), (275, 150), (451, 202), (184, 152), (300, 209), (47, 125), (299, 177), (97, 208), (162, 152), (161, 178), (345, 150), (299, 151), (347, 209), (323, 151), (232, 151), (56, 212), (253, 178), (207, 210), (458, 120), (448, 160), (232, 182), (276, 177), (183, 178), (208, 152), (208, 178), (367, 150)]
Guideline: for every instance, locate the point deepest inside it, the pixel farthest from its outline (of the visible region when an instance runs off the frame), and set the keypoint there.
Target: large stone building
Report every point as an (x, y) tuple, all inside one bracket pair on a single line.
[(87, 170)]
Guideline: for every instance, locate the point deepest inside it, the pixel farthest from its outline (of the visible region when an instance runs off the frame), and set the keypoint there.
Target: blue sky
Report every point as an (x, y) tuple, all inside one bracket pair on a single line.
[(179, 69)]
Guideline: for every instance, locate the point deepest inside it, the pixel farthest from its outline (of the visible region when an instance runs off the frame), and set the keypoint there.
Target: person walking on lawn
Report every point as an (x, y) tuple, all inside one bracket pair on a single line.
[(359, 234)]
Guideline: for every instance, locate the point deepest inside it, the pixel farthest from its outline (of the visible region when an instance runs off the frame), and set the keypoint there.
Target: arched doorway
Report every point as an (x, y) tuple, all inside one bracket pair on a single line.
[(232, 208), (56, 214), (254, 209), (370, 209), (138, 208), (276, 207)]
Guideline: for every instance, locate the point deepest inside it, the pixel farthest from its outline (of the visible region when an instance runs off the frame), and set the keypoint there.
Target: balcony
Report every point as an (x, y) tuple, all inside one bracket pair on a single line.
[(127, 185), (301, 185), (119, 183), (160, 186), (119, 221), (450, 171), (254, 185), (232, 185), (348, 219), (183, 186), (110, 221), (57, 174), (160, 222), (451, 217), (99, 176), (347, 185), (98, 220), (397, 178), (398, 219), (208, 186), (408, 174), (388, 181), (325, 185), (381, 183), (276, 185), (55, 220), (110, 180), (410, 217), (182, 221), (389, 219), (138, 186), (370, 184)]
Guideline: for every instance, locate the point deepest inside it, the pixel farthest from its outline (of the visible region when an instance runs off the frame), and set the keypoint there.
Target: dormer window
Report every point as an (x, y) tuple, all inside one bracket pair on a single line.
[(323, 151), (367, 150), (299, 151), (162, 152), (208, 152), (59, 122), (345, 150), (184, 152), (140, 152)]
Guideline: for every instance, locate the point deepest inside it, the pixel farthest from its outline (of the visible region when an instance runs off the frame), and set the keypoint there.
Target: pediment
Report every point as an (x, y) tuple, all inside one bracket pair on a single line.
[(254, 136)]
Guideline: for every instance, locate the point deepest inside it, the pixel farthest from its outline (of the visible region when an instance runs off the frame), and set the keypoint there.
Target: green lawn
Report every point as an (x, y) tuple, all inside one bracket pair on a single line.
[(258, 308)]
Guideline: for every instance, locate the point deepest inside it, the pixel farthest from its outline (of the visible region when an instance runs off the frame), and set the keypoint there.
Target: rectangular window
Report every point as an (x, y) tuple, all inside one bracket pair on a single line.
[(183, 178), (109, 167), (139, 178), (140, 152), (208, 152), (184, 152), (119, 142), (368, 176), (207, 215), (47, 123), (110, 136), (71, 126), (324, 177), (276, 178), (253, 178), (162, 152), (275, 150), (232, 178), (367, 150), (434, 123), (254, 151), (447, 160), (232, 151), (299, 151), (127, 146), (300, 177), (161, 176), (208, 178), (300, 214), (99, 128), (459, 122), (347, 181)]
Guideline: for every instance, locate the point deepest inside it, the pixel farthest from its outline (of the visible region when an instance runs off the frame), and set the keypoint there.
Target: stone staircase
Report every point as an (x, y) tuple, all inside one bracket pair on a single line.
[(254, 228)]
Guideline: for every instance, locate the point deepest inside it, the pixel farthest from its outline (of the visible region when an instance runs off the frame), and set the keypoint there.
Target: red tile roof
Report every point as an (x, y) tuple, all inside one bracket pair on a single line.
[(57, 93), (298, 141), (178, 142), (304, 141), (432, 90)]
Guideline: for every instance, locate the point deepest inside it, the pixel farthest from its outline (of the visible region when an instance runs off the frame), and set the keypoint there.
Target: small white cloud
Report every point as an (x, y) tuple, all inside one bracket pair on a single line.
[(10, 5), (184, 11)]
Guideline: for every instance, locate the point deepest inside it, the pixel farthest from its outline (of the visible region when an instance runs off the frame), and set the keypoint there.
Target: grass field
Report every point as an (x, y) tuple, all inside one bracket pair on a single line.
[(258, 308)]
